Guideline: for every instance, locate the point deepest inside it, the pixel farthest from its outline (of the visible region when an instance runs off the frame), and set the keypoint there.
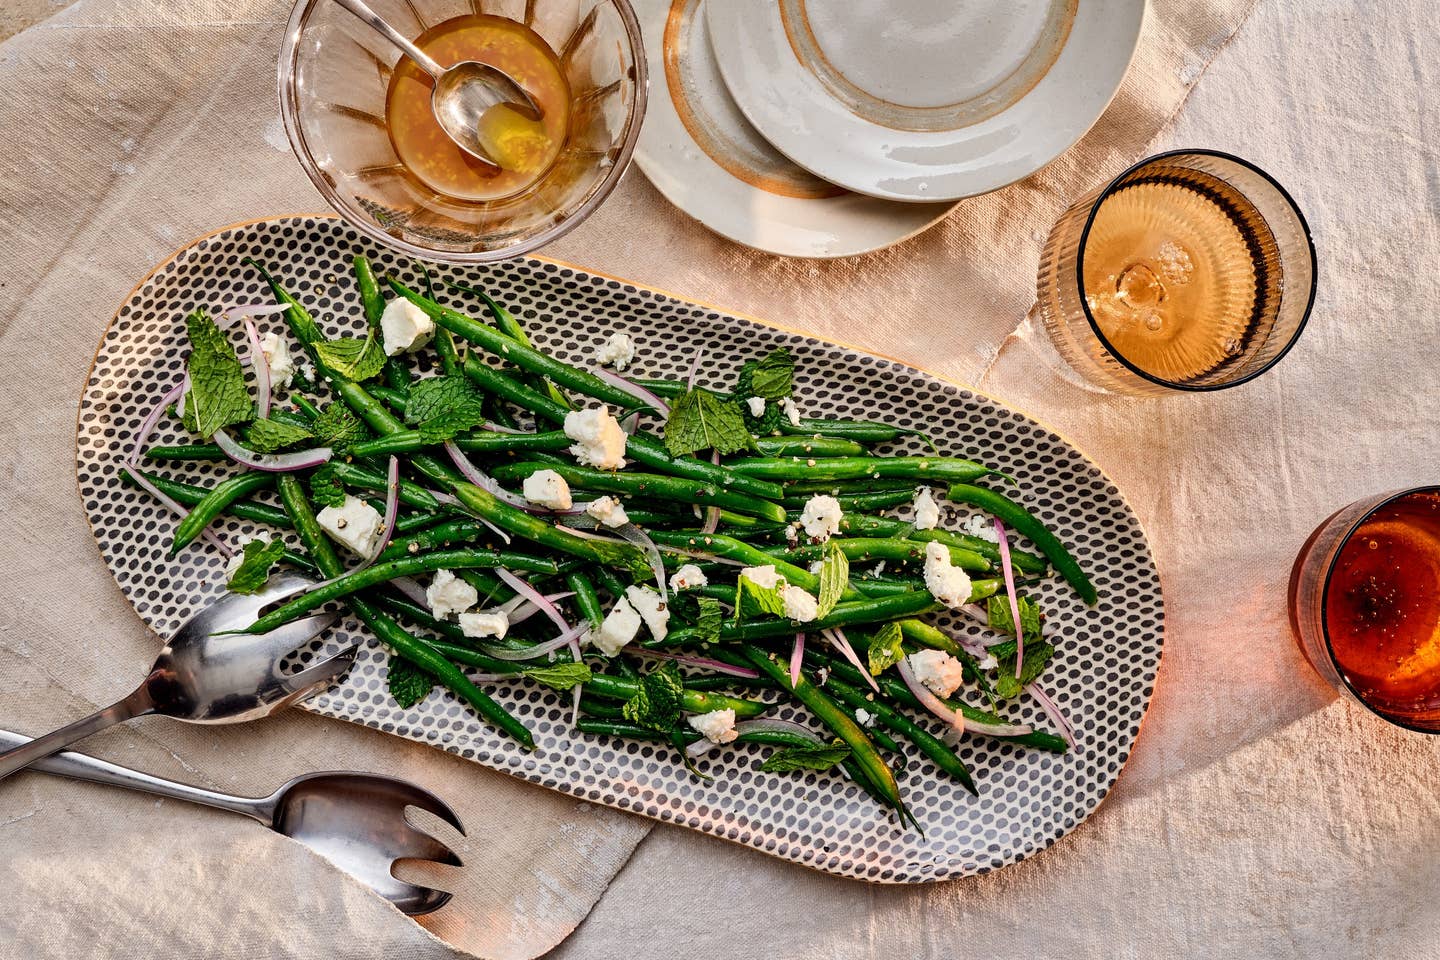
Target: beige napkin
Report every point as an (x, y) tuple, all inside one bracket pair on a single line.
[(136, 125)]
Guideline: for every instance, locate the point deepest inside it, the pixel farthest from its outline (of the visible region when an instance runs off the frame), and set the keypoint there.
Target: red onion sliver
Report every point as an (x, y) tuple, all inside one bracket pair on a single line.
[(639, 538), (271, 463), (840, 642), (179, 511), (527, 653), (797, 656), (1009, 572), (717, 666), (153, 417), (712, 514), (483, 480), (694, 369), (702, 555), (497, 428), (523, 609), (412, 590), (957, 720), (634, 389), (246, 310), (1052, 710), (699, 748), (262, 369), (630, 424), (535, 597)]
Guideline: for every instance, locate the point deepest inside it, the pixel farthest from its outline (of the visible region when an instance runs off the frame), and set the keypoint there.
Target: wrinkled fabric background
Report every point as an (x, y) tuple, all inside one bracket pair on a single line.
[(1258, 815)]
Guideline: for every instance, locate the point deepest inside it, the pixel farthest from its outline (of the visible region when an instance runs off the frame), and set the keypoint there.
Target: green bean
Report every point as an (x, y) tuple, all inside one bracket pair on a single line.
[(849, 488), (529, 527), (394, 397), (408, 441), (872, 766), (490, 588), (863, 431), (855, 503), (652, 485), (185, 451), (214, 503), (808, 447), (691, 701), (396, 375), (379, 573), (939, 754), (412, 522), (717, 544), (610, 582), (189, 495), (1023, 522), (281, 415), (523, 356), (613, 712), (444, 534), (411, 494), (511, 327), (927, 635), (865, 549), (640, 446), (444, 341), (855, 525), (306, 408), (665, 389), (586, 599), (877, 610), (408, 646), (880, 738), (920, 469)]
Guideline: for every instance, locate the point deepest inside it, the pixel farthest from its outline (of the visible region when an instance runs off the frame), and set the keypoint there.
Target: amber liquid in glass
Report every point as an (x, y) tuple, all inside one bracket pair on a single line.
[(1175, 274), (1382, 607), (524, 148)]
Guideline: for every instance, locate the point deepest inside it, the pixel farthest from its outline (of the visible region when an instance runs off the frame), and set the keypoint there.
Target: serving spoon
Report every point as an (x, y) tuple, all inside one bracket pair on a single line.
[(200, 677), (354, 820), (462, 92)]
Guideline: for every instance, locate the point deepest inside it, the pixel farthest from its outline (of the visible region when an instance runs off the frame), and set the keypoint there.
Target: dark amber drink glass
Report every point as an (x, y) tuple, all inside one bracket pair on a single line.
[(1365, 604)]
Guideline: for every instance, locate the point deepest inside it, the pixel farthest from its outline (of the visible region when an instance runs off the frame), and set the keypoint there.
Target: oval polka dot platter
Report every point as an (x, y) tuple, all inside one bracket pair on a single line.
[(1105, 664)]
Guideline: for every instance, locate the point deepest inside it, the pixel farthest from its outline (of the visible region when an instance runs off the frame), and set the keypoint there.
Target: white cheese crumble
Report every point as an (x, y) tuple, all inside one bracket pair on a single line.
[(354, 523), (277, 357), (800, 606), (688, 577), (792, 412), (608, 510), (619, 628), (718, 726), (651, 607), (866, 718), (946, 583), (449, 594), (757, 407), (938, 671), (765, 576), (485, 623), (927, 511), (599, 441), (981, 526), (821, 517), (616, 352), (404, 327), (546, 488)]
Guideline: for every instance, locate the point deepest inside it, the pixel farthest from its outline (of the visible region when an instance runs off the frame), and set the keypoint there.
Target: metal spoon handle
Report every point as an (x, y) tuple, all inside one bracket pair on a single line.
[(375, 22), (79, 766), (17, 758)]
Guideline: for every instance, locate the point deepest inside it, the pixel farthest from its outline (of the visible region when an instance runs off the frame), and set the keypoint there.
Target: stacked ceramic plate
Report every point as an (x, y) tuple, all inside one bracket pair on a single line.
[(827, 128)]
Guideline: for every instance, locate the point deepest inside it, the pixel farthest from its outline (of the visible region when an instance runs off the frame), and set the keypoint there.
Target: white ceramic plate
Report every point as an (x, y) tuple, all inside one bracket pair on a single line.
[(923, 100), (701, 153), (1102, 675)]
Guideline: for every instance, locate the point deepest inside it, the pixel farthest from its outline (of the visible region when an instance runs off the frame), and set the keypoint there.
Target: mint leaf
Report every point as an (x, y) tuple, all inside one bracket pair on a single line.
[(338, 428), (708, 622), (352, 357), (773, 377), (268, 436), (560, 676), (656, 705), (408, 683), (885, 650), (326, 488), (1037, 655), (819, 757), (443, 407), (254, 570), (834, 577), (752, 600), (700, 420), (997, 610), (218, 396)]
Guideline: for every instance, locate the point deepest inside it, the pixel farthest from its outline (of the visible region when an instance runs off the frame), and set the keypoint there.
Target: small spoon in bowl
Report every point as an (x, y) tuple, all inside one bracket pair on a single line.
[(462, 93)]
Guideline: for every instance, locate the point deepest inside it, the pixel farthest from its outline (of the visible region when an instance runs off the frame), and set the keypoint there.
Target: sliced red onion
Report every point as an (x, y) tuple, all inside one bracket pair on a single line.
[(497, 428), (1009, 572), (528, 653), (246, 310), (484, 481), (585, 532), (840, 642), (712, 514), (271, 463), (262, 369), (634, 389), (153, 418), (694, 369), (977, 613), (957, 720), (797, 656), (493, 677), (412, 590), (518, 609), (179, 511), (701, 555), (630, 424), (1052, 710), (639, 538), (718, 666), (534, 596)]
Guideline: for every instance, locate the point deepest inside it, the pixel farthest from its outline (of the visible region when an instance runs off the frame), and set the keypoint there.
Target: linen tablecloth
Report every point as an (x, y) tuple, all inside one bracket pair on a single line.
[(1257, 817)]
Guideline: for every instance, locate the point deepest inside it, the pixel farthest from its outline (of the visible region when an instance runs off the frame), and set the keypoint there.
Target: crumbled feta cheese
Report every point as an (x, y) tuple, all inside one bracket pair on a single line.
[(879, 569), (651, 607), (938, 671), (546, 488), (866, 718), (757, 407), (354, 523), (765, 576), (307, 370), (981, 526), (817, 566), (821, 517), (619, 628), (792, 412), (688, 577), (946, 583), (822, 676), (599, 441), (988, 662), (800, 606), (404, 327), (485, 623), (792, 532), (718, 726), (608, 510), (277, 357), (616, 352), (449, 594), (927, 511)]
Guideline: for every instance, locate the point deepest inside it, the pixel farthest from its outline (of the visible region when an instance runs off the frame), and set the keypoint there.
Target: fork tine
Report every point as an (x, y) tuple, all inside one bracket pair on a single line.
[(427, 801), (422, 846), (322, 673)]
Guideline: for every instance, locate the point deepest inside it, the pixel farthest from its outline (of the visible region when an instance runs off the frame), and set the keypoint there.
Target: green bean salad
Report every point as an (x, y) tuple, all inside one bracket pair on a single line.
[(676, 559)]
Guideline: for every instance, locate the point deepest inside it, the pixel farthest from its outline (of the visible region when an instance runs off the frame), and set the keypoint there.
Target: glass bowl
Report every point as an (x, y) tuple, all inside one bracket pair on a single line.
[(333, 76)]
